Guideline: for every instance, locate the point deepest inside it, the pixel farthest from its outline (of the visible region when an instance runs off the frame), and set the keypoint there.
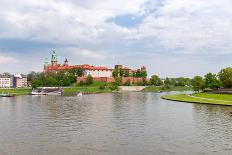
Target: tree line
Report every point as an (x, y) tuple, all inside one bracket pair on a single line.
[(67, 77)]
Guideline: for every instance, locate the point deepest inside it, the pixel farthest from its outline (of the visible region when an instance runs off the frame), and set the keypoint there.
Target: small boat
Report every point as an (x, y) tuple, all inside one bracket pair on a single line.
[(38, 92), (6, 95), (80, 94)]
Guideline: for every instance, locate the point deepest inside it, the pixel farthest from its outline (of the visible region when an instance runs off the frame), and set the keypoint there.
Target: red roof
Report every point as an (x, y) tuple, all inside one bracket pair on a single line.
[(84, 66)]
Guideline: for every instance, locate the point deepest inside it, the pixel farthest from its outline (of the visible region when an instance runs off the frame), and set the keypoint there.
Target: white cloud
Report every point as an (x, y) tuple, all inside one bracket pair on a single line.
[(194, 26), (85, 53), (177, 27), (7, 60)]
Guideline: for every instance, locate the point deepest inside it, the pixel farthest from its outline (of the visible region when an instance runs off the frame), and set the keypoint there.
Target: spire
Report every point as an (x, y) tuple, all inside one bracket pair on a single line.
[(54, 58), (45, 62), (66, 62)]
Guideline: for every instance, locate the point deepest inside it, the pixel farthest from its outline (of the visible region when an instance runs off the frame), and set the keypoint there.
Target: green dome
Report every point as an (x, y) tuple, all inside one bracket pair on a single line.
[(54, 56)]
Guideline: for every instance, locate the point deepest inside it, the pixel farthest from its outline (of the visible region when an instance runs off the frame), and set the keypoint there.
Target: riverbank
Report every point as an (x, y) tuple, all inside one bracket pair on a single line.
[(16, 91), (158, 89), (85, 90), (203, 98)]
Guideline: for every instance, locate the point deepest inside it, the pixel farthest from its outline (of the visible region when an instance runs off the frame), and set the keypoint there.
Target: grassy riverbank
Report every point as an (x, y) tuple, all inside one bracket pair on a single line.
[(219, 99), (74, 90), (157, 89), (16, 91)]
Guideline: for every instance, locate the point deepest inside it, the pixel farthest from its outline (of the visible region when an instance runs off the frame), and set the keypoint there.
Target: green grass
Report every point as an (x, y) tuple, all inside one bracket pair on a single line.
[(225, 97), (16, 91), (89, 89), (95, 84), (157, 89), (205, 98)]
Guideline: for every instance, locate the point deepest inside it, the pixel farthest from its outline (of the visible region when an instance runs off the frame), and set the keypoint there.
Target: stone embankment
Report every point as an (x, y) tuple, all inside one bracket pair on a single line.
[(131, 88)]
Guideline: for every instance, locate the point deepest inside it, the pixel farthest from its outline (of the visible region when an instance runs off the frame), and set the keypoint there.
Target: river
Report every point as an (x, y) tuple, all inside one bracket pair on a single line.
[(133, 123)]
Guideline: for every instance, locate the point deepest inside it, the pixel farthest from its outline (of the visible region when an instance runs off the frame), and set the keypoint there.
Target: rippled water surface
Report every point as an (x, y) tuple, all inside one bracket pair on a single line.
[(120, 123)]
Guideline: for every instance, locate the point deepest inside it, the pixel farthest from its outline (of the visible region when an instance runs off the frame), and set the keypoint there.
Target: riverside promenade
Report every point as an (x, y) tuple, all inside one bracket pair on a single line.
[(131, 88)]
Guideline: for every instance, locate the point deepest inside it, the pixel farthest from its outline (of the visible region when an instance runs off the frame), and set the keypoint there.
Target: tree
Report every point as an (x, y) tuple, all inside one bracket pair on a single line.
[(31, 76), (118, 81), (115, 73), (225, 77), (52, 81), (126, 74), (167, 82), (89, 80), (127, 83), (156, 81), (198, 83), (143, 74), (211, 81), (37, 83)]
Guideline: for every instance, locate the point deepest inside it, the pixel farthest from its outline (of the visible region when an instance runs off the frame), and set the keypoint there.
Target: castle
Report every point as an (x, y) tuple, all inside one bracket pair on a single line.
[(99, 73)]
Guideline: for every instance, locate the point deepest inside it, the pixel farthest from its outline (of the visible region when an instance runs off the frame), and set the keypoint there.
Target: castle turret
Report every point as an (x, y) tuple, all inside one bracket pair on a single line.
[(45, 64), (54, 58), (66, 62)]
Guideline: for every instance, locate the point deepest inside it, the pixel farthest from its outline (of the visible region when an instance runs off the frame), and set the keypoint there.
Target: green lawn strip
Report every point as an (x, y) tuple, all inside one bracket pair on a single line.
[(157, 89), (225, 97), (190, 99), (16, 91), (71, 90)]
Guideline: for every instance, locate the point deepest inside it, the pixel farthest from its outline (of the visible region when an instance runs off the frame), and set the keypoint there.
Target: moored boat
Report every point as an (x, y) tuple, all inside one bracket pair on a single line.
[(6, 95)]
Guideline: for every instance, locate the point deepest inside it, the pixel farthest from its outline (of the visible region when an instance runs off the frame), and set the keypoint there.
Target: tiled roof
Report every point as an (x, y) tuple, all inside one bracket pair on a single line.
[(83, 66)]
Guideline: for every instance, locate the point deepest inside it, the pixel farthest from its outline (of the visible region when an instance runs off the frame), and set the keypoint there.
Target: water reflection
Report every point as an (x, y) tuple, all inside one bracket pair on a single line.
[(117, 123)]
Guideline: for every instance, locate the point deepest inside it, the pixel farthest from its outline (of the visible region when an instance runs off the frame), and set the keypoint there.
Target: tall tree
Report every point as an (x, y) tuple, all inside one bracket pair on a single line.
[(198, 83), (156, 81), (225, 76), (211, 81)]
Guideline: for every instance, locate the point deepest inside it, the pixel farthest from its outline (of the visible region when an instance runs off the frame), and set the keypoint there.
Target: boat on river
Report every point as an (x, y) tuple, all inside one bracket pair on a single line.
[(47, 91), (6, 95)]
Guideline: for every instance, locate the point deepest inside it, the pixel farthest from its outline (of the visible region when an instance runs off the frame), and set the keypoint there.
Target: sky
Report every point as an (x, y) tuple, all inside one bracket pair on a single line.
[(172, 38)]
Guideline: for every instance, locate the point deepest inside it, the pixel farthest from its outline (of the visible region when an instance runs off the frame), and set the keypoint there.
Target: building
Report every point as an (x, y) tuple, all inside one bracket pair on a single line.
[(94, 71), (99, 73), (20, 81), (6, 81)]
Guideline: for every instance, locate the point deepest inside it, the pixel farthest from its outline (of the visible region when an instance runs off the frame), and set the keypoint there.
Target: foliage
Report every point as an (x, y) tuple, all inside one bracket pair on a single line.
[(89, 80), (156, 81), (118, 81), (127, 83), (211, 81), (114, 87), (225, 76), (198, 83), (102, 87), (187, 98), (61, 78), (167, 82)]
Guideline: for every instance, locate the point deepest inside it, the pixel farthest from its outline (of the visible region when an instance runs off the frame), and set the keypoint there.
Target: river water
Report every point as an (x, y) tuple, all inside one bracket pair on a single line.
[(118, 123)]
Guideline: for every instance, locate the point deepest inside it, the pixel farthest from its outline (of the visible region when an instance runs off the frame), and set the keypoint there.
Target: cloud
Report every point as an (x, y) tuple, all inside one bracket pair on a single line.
[(85, 53), (7, 60), (137, 28)]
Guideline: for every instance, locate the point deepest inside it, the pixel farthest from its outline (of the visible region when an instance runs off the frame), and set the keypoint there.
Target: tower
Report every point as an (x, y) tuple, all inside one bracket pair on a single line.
[(45, 64), (66, 62), (54, 58)]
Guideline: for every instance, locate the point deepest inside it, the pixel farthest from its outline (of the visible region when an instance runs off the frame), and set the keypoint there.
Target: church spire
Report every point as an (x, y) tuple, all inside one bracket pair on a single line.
[(54, 58)]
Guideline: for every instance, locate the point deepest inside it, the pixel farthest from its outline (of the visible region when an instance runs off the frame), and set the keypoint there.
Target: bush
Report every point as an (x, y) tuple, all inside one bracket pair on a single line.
[(115, 87), (89, 80), (127, 83), (81, 83), (102, 87)]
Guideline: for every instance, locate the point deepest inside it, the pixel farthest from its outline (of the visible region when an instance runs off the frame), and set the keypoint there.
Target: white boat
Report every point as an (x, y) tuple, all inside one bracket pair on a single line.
[(38, 92), (46, 91)]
